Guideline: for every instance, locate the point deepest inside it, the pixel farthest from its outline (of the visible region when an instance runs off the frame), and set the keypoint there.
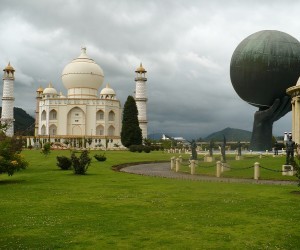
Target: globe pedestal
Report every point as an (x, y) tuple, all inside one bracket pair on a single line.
[(262, 67), (287, 170)]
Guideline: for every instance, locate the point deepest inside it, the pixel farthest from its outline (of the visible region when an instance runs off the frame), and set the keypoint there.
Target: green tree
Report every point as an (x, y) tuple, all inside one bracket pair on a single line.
[(131, 133), (10, 157)]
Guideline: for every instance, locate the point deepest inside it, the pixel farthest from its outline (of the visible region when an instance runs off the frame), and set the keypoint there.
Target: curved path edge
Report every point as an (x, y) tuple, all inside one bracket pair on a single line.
[(163, 170)]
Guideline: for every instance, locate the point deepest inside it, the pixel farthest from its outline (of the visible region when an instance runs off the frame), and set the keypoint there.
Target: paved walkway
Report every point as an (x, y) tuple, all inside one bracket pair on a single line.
[(163, 170)]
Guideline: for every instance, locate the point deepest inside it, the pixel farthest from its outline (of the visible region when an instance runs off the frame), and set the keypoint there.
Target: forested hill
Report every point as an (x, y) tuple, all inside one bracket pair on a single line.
[(231, 134), (24, 123)]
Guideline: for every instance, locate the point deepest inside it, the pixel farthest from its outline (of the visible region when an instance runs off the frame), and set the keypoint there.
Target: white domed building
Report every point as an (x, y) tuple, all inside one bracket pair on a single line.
[(84, 113)]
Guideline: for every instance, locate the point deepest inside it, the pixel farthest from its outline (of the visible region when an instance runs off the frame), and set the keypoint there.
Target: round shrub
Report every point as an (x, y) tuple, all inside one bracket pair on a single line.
[(64, 162), (147, 149), (133, 148), (100, 157), (140, 148)]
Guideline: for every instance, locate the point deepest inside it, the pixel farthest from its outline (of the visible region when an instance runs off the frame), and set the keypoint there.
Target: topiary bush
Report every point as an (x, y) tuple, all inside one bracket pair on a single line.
[(64, 163), (140, 148), (99, 157), (80, 164), (147, 149), (46, 149), (133, 148)]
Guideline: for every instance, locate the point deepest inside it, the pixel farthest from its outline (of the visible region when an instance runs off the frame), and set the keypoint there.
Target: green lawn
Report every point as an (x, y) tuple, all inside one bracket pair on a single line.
[(43, 207)]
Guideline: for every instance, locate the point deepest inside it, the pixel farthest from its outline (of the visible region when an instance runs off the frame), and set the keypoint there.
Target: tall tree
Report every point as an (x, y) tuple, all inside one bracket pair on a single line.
[(131, 133)]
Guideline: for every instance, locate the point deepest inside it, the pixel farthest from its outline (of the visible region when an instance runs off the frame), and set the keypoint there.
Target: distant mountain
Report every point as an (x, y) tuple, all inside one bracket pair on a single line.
[(156, 136), (24, 123), (231, 134)]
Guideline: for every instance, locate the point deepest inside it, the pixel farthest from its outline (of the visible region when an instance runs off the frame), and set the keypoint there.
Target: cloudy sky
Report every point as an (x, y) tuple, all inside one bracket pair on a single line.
[(185, 46)]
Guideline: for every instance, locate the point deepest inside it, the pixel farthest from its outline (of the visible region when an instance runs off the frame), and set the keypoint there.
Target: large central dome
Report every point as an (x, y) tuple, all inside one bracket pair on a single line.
[(82, 72)]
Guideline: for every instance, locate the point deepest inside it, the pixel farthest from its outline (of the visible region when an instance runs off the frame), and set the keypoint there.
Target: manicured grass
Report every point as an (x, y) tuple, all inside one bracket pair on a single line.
[(46, 208)]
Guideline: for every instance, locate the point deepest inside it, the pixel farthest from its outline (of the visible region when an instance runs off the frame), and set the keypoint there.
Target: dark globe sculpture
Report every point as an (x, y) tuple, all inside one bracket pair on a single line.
[(262, 67)]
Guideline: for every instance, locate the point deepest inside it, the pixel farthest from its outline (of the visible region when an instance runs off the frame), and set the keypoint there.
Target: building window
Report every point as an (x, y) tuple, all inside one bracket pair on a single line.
[(52, 114), (111, 130), (111, 116), (100, 115), (43, 115), (76, 120), (43, 130), (100, 130), (52, 129)]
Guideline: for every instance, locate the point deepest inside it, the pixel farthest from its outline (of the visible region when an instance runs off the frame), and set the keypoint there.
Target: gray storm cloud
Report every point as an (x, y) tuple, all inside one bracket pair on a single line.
[(186, 47)]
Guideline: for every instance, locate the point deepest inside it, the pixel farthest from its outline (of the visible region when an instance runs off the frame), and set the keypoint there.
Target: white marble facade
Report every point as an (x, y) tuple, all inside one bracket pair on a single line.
[(84, 112)]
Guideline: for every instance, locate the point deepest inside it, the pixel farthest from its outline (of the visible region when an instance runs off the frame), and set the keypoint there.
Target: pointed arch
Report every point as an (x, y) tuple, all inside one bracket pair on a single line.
[(99, 130), (100, 115), (76, 121), (53, 115), (43, 130), (111, 115), (52, 130), (77, 130), (43, 115), (111, 130)]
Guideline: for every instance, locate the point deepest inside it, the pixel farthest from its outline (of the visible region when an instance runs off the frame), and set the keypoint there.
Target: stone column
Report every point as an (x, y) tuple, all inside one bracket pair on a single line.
[(295, 128), (192, 166), (293, 118), (177, 164), (172, 162), (180, 158), (218, 170), (256, 171)]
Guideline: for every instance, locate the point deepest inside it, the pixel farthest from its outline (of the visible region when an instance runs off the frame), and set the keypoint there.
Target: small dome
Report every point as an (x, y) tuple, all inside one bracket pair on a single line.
[(50, 90), (82, 72), (107, 90), (40, 89), (9, 68), (61, 95), (140, 69)]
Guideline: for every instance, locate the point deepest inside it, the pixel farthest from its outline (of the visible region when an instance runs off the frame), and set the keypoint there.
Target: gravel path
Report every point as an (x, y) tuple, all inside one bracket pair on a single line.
[(163, 170)]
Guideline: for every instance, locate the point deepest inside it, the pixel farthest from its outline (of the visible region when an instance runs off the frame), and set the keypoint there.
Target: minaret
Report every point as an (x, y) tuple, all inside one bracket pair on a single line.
[(8, 99), (39, 93), (141, 99)]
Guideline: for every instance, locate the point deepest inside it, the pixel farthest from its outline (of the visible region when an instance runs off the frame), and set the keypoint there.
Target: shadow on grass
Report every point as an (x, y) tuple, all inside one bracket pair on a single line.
[(296, 192), (9, 182), (70, 172)]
